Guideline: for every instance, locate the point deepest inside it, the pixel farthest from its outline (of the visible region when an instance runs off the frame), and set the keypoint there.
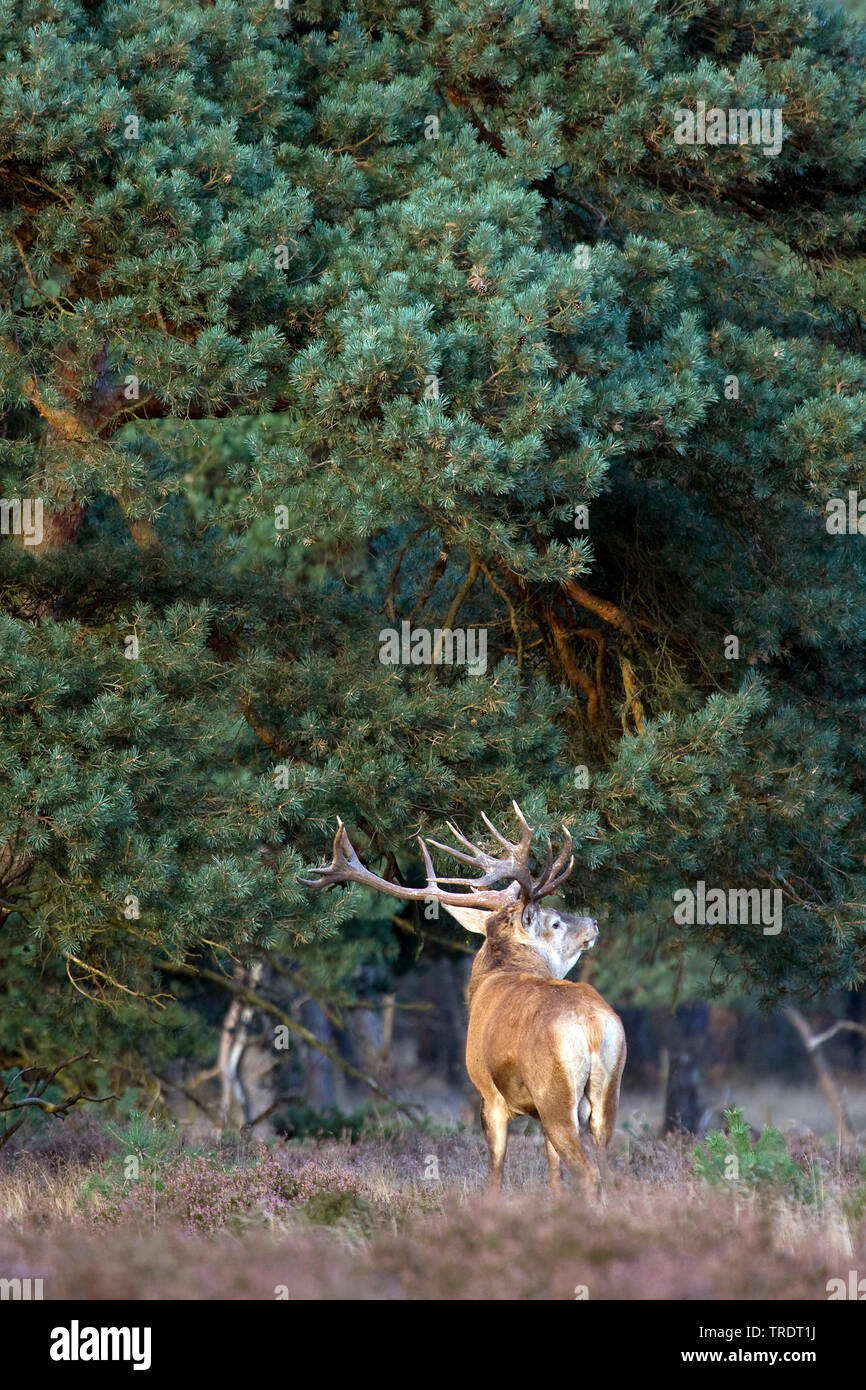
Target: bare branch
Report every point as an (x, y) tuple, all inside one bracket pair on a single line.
[(35, 1098), (822, 1071)]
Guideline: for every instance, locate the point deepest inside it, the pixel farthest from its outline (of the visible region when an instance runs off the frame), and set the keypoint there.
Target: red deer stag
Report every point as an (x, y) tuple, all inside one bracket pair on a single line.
[(537, 1044)]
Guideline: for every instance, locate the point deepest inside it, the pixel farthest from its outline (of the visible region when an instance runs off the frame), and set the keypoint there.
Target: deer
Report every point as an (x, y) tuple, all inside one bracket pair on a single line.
[(537, 1044)]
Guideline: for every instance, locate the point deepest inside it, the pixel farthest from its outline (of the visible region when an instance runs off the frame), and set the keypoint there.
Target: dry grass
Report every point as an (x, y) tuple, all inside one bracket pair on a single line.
[(368, 1224)]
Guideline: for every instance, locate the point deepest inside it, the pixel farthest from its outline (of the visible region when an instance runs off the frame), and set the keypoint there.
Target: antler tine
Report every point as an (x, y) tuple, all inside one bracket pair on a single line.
[(518, 854), (552, 884), (460, 836), (485, 882), (557, 872), (458, 853), (492, 828), (525, 832), (494, 873), (340, 861), (428, 864), (521, 849), (548, 861), (477, 856), (565, 852), (496, 869), (515, 866)]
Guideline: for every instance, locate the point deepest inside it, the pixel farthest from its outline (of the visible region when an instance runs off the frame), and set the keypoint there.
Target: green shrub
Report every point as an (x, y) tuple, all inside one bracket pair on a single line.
[(303, 1122), (332, 1208), (854, 1202), (734, 1157), (147, 1149)]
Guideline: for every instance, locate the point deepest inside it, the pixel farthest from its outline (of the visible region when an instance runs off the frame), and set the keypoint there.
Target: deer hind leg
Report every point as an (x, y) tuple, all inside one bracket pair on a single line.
[(494, 1122), (562, 1135), (559, 1120), (554, 1167), (559, 1110), (602, 1091)]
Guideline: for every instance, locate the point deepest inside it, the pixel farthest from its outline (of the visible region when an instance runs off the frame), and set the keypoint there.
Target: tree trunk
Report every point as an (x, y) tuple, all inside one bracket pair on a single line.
[(319, 1072), (686, 1042), (235, 1102)]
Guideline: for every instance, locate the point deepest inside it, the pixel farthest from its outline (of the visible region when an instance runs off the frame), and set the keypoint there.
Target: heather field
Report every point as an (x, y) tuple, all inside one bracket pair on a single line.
[(401, 1214)]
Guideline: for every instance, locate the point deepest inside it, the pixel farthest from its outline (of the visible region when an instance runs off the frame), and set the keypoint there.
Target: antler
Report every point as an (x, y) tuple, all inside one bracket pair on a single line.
[(515, 865), (556, 872), (346, 867)]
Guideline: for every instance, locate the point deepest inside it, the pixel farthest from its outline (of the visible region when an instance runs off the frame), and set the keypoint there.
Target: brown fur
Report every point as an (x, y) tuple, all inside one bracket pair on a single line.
[(537, 1045)]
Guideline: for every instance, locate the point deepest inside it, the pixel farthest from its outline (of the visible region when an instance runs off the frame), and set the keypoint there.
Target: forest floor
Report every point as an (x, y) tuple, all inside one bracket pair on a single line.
[(401, 1214)]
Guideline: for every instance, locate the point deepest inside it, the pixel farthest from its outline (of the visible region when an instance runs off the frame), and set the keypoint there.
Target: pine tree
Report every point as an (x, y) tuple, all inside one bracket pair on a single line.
[(318, 321)]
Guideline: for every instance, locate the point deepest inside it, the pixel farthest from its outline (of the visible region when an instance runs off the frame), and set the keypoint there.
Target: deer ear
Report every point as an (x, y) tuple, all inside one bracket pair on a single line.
[(530, 916), (474, 919)]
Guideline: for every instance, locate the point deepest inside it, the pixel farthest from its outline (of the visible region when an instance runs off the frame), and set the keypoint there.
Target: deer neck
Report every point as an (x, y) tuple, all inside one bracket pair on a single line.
[(506, 957)]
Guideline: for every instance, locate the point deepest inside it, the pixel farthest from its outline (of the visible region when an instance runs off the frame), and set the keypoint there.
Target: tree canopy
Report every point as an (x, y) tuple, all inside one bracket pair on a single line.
[(315, 321)]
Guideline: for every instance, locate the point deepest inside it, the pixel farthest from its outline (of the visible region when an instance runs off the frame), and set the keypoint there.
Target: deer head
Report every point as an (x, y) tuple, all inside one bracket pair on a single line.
[(511, 918)]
